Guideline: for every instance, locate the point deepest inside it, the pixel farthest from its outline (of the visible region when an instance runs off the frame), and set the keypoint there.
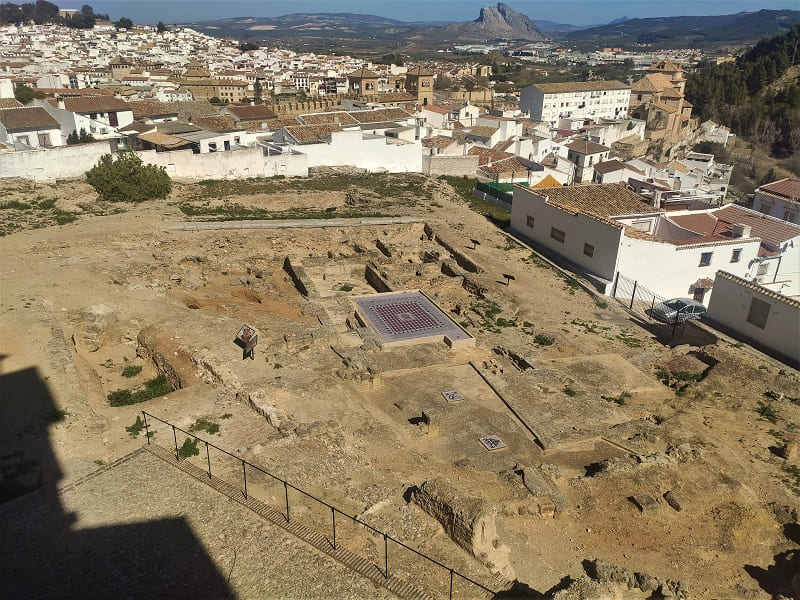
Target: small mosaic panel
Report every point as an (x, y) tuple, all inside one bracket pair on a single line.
[(492, 442), (453, 396), (406, 316)]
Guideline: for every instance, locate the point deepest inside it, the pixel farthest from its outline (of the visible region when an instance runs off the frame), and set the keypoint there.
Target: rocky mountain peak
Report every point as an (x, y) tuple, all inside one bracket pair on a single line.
[(502, 22)]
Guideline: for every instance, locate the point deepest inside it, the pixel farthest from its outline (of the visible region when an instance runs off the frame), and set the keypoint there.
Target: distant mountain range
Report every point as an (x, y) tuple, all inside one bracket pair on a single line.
[(688, 32), (501, 22)]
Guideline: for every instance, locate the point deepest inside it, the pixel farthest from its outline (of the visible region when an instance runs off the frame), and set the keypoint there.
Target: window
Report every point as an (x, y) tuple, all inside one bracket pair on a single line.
[(762, 269), (737, 254), (529, 220), (642, 225), (588, 250), (705, 259), (789, 215), (557, 235), (759, 311), (699, 294)]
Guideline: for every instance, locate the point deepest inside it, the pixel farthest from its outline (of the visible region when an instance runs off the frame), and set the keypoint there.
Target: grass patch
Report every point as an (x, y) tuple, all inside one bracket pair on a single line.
[(621, 400), (543, 340), (226, 416), (152, 388), (793, 477), (204, 425), (189, 448), (345, 287), (15, 205), (277, 366), (99, 462), (601, 304), (131, 371), (767, 411), (571, 392), (237, 212), (629, 340)]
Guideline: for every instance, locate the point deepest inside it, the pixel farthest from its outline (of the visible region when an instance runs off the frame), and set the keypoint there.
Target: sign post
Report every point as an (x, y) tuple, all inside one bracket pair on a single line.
[(509, 278), (247, 338)]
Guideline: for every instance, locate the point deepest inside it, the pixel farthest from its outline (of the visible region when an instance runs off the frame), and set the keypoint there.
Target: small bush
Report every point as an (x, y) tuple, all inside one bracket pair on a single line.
[(188, 449), (131, 371), (127, 179), (767, 411), (226, 416), (345, 287), (204, 425), (570, 391), (543, 340), (152, 388)]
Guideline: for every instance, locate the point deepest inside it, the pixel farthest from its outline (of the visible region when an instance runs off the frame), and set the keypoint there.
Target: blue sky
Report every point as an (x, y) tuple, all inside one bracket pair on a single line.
[(575, 12)]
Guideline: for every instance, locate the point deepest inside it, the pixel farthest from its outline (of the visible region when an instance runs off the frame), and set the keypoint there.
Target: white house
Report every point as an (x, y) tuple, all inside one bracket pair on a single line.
[(780, 199), (614, 171), (777, 264), (24, 128), (550, 102), (331, 145), (100, 116), (605, 230), (450, 115), (584, 154), (758, 315)]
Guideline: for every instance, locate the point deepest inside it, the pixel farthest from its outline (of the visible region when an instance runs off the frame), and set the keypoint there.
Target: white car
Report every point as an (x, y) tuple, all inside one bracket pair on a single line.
[(680, 309)]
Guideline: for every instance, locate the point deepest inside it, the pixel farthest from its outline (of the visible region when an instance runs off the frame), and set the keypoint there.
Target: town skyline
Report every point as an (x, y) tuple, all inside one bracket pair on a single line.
[(571, 12)]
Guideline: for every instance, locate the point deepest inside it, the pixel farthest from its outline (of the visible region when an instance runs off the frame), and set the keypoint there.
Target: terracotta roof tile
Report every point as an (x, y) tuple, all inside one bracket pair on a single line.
[(255, 112), (95, 104), (586, 147), (150, 108), (608, 166), (437, 141), (581, 86), (333, 118), (309, 134), (601, 200), (482, 131), (31, 118), (217, 123), (771, 230), (788, 188), (759, 288)]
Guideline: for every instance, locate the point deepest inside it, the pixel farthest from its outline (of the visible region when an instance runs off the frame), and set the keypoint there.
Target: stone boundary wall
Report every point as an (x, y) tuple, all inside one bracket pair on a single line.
[(450, 165), (62, 162)]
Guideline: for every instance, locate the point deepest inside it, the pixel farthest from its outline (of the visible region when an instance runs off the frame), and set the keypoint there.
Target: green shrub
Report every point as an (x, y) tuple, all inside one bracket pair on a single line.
[(152, 388), (188, 449), (570, 391), (543, 340), (131, 371), (204, 425), (136, 428), (126, 179)]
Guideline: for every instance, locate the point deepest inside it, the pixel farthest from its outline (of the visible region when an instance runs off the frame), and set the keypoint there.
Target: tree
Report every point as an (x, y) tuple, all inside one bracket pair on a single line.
[(72, 138), (247, 46), (257, 91), (215, 100), (161, 27), (25, 94), (124, 23), (126, 179), (85, 137)]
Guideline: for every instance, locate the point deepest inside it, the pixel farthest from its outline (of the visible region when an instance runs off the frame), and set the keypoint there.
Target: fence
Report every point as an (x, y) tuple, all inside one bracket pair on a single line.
[(642, 301), (181, 453)]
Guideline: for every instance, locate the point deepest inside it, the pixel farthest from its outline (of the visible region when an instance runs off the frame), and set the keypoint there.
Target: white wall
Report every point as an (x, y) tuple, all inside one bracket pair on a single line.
[(730, 307), (579, 230), (348, 148), (776, 207), (551, 107), (63, 162), (670, 270), (236, 164), (6, 88)]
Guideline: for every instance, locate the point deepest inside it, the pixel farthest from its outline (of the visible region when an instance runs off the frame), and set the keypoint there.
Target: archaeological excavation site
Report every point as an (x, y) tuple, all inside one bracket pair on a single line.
[(409, 423)]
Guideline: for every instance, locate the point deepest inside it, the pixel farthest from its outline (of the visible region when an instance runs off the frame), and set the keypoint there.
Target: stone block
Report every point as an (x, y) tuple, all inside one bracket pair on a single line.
[(432, 418), (644, 503), (675, 500)]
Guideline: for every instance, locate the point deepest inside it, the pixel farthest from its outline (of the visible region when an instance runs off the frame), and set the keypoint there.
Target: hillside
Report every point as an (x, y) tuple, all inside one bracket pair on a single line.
[(688, 32), (758, 96)]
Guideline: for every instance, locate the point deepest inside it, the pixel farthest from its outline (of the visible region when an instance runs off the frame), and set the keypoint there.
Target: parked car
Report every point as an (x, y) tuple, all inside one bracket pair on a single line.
[(680, 309)]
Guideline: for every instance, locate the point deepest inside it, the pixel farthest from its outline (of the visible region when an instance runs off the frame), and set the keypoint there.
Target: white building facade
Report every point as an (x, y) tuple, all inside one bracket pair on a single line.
[(550, 102)]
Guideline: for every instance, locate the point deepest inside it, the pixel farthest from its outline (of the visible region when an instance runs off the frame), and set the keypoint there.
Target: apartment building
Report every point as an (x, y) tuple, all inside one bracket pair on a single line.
[(550, 102)]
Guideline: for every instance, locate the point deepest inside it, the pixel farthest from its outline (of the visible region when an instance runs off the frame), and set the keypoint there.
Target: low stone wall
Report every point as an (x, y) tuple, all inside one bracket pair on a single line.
[(450, 165)]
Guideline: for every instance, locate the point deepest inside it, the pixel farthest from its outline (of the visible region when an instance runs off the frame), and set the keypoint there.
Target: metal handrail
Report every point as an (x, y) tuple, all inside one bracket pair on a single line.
[(386, 537)]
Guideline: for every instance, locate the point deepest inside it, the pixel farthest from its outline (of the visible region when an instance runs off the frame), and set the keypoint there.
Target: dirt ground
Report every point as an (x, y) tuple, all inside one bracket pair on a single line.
[(572, 384)]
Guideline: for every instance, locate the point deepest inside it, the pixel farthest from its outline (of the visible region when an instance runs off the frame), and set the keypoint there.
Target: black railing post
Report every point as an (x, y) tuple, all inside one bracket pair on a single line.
[(175, 437), (333, 521), (146, 429), (451, 584), (286, 492), (386, 554), (633, 295), (244, 475), (208, 458), (675, 324)]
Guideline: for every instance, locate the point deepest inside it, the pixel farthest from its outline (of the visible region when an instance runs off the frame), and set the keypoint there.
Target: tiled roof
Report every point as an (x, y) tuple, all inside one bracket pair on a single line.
[(701, 223), (34, 117), (380, 115), (759, 288), (653, 83), (439, 110), (666, 64), (506, 165), (363, 73), (486, 154), (162, 139), (581, 86), (788, 188), (601, 200), (437, 141), (771, 230), (608, 166), (586, 147), (309, 134), (256, 112), (217, 123), (177, 127), (10, 103), (150, 108), (190, 109), (548, 182), (280, 123), (420, 71), (342, 117), (504, 145), (482, 131), (95, 104)]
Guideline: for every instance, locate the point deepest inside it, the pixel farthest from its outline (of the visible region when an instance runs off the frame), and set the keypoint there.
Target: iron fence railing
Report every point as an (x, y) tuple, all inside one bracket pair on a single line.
[(453, 574)]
